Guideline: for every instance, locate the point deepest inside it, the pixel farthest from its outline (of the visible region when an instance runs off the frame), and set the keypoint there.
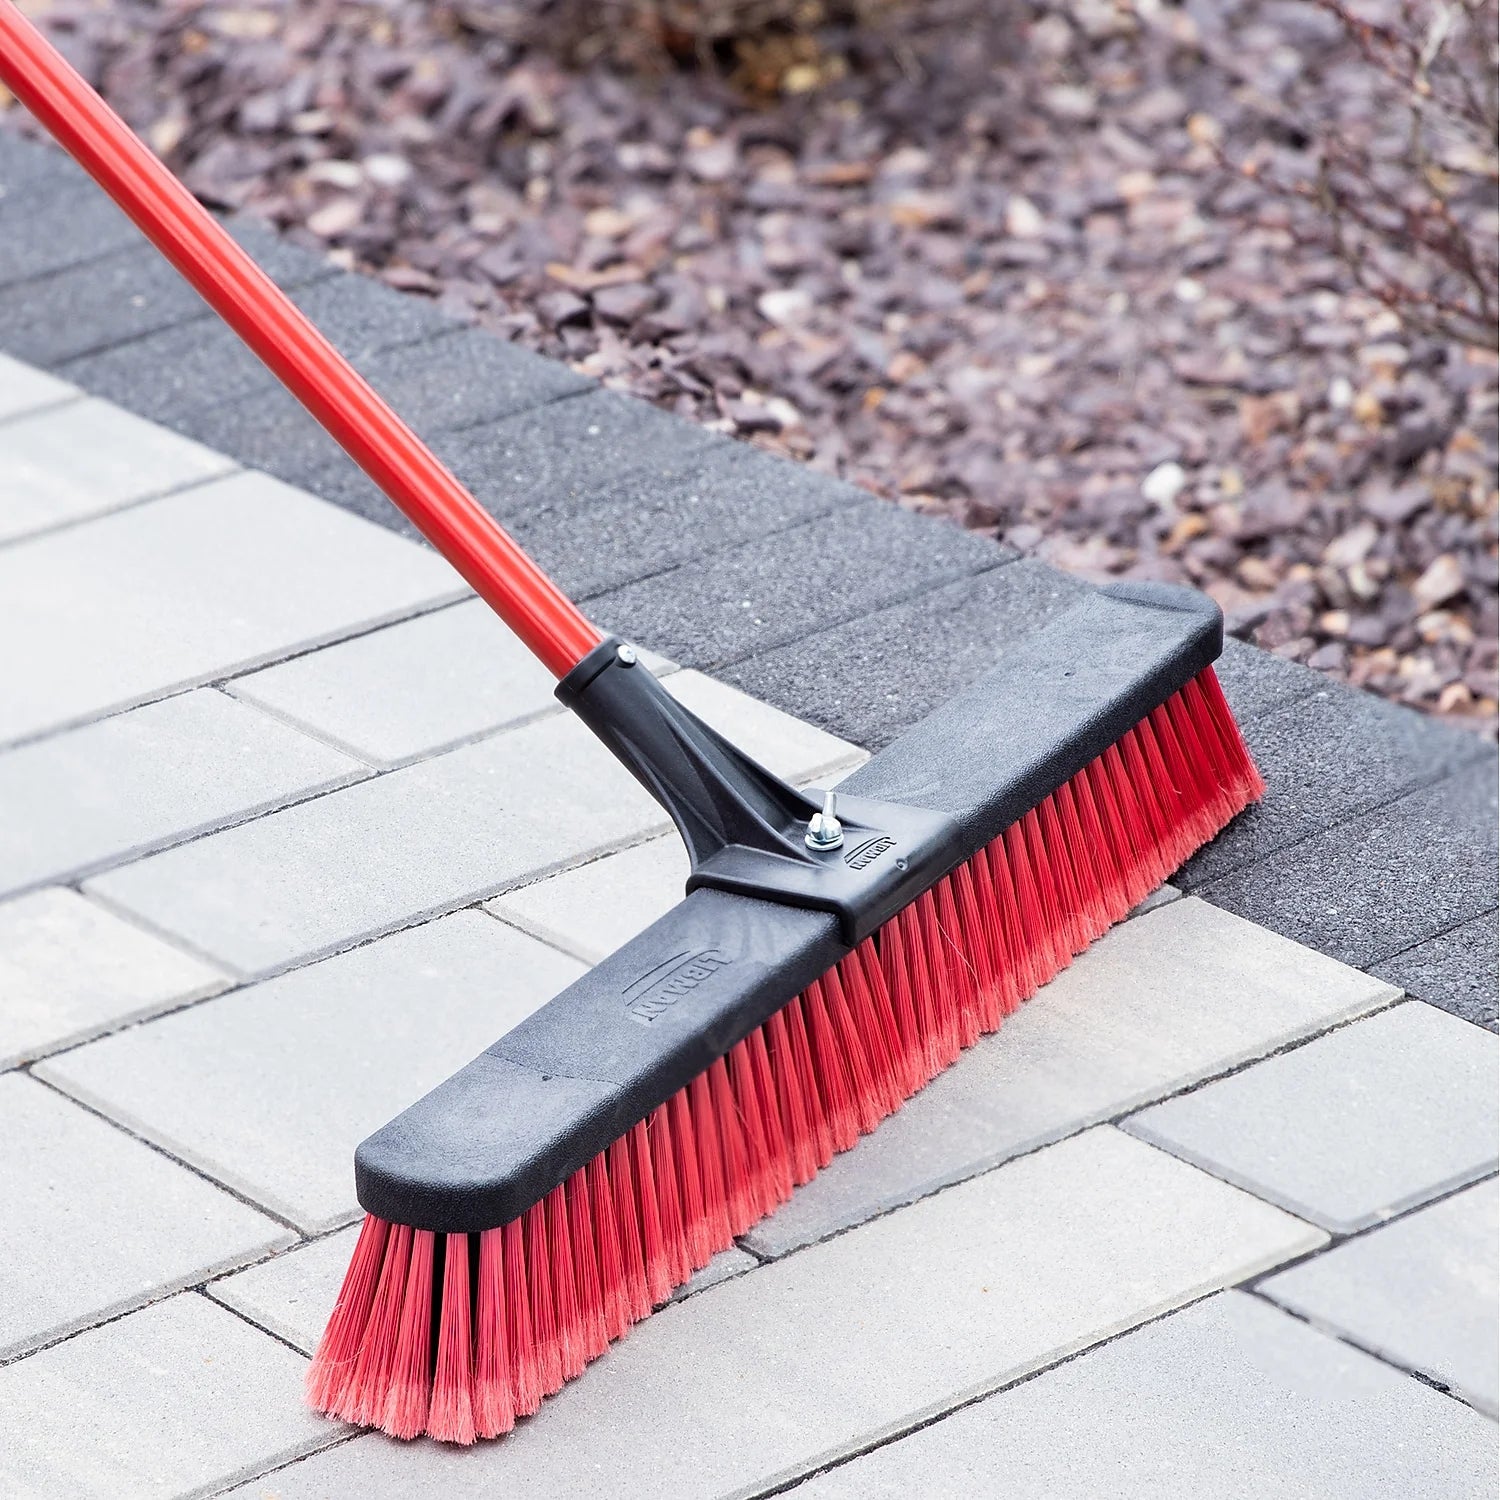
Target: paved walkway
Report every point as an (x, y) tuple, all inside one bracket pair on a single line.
[(292, 830), (1376, 844)]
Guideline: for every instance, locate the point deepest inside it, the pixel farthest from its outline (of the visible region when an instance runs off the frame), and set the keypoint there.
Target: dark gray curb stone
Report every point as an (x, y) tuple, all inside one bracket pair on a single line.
[(1376, 840)]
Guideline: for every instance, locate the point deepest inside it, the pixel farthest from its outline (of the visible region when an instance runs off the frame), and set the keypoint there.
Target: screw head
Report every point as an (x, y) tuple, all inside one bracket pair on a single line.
[(625, 655)]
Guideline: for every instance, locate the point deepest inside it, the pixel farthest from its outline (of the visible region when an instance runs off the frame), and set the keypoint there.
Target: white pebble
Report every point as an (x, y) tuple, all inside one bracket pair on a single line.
[(1164, 483)]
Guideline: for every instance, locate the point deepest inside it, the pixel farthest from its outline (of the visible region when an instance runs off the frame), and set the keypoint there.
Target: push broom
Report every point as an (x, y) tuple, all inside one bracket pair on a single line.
[(831, 956)]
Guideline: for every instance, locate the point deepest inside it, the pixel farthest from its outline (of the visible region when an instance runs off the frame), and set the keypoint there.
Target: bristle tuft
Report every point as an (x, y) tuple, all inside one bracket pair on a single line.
[(521, 1308)]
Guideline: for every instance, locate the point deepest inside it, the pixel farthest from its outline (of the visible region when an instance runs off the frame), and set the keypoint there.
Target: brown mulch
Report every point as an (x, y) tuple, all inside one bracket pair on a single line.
[(984, 259)]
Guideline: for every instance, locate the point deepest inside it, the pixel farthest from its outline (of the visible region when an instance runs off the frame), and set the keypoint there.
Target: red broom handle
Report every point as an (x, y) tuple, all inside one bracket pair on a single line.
[(296, 353)]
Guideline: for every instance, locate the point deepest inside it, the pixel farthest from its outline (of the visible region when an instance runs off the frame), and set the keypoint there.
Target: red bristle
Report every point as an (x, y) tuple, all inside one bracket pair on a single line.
[(364, 1400), (332, 1368), (806, 1074), (759, 1182), (1194, 819), (1110, 820), (520, 1328), (978, 927), (915, 961), (695, 1226), (870, 1014), (451, 1415), (791, 1100), (996, 894), (656, 1244), (713, 1186), (408, 1392), (865, 1093), (635, 1243), (556, 1285), (1065, 877), (614, 1301), (950, 983), (1081, 819), (958, 965), (830, 1067), (586, 1280), (1034, 940), (734, 1151), (544, 1334), (494, 1397), (1149, 781), (566, 1312), (664, 1166), (898, 970), (1205, 761), (1049, 906), (781, 1184), (1138, 837)]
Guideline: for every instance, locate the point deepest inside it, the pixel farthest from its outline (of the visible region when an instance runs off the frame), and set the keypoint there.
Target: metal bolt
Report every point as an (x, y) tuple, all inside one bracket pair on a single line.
[(824, 831), (626, 656)]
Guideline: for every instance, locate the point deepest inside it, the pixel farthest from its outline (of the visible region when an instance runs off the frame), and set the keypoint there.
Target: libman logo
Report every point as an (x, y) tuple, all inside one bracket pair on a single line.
[(868, 852), (652, 996)]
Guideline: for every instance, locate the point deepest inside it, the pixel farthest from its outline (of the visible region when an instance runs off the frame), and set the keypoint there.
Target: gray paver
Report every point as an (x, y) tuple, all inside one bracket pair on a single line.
[(640, 525), (118, 1224), (69, 462), (180, 1399), (1257, 683), (24, 389), (238, 572), (467, 377), (414, 688), (570, 449), (69, 970), (1375, 885), (1229, 1398), (768, 1375), (133, 291), (870, 678), (598, 907), (723, 1267), (292, 1294), (427, 838), (1180, 994), (269, 1089), (756, 596), (1327, 758), (150, 777), (1420, 1292), (1352, 1128), (1456, 970), (54, 221), (410, 689)]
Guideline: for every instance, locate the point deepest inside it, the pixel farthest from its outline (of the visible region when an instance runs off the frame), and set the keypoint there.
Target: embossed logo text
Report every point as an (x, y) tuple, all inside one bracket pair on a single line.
[(868, 852), (660, 990)]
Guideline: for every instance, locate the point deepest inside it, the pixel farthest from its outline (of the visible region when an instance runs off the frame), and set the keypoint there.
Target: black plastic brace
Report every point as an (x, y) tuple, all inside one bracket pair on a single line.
[(744, 828)]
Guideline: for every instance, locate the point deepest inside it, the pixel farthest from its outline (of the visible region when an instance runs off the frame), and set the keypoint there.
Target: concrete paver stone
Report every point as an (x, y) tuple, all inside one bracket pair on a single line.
[(237, 572), (69, 970), (1420, 1292), (1356, 1126), (80, 459), (116, 1223), (1230, 1398), (152, 776), (177, 1400)]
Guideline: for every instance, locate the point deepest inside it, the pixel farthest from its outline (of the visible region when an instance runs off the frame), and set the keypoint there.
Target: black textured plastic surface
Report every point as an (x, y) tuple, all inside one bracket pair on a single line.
[(743, 826), (552, 1093)]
